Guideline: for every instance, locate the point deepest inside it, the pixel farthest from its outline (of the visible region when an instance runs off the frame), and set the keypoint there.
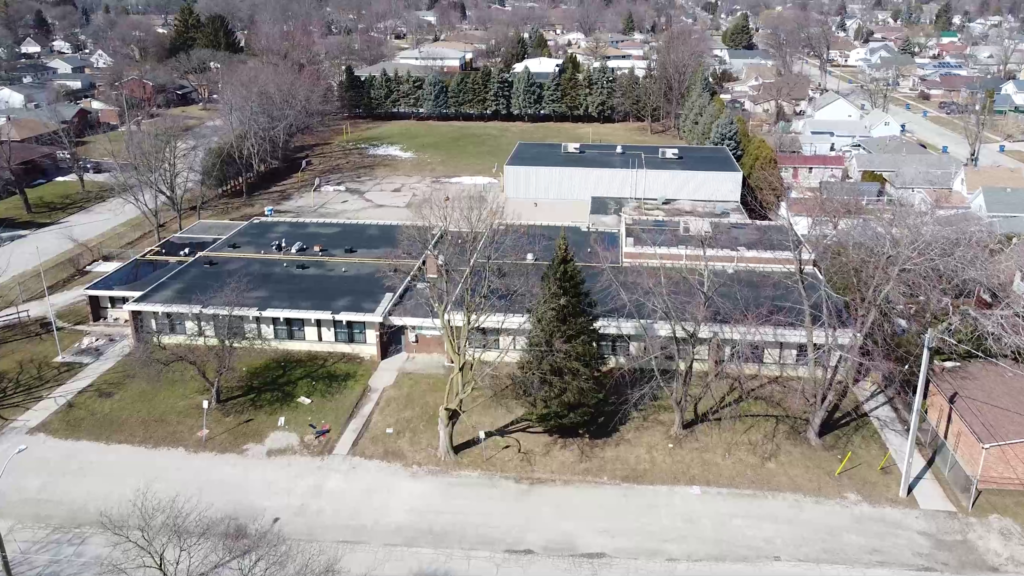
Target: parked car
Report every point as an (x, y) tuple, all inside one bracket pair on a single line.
[(90, 167)]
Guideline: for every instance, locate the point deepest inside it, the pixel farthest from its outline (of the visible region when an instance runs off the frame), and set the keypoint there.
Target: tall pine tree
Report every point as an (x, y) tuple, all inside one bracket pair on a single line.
[(41, 25), (460, 94), (217, 34), (601, 95), (553, 104), (481, 90), (628, 24), (558, 376), (944, 17), (435, 96), (411, 97), (573, 93), (727, 133), (187, 28), (907, 47), (499, 99), (739, 36), (627, 87), (381, 93), (350, 92), (527, 94)]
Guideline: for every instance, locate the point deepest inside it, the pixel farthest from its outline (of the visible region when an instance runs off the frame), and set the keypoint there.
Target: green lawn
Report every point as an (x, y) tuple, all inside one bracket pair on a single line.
[(50, 202), (27, 372), (102, 146), (135, 404), (751, 447), (473, 148), (193, 111)]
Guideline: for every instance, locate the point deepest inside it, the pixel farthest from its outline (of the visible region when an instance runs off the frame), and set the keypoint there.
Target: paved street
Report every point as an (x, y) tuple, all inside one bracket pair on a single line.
[(348, 499)]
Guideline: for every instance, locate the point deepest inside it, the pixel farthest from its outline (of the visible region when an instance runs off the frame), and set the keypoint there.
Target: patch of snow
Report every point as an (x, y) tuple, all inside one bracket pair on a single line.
[(472, 180), (277, 440), (332, 188), (66, 178), (389, 150)]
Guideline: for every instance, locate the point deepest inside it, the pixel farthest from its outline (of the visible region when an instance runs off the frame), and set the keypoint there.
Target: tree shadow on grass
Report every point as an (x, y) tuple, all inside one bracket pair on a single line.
[(280, 380)]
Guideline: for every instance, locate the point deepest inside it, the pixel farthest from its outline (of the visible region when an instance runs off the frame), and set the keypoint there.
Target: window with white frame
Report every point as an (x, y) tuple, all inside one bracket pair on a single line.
[(289, 329), (350, 332)]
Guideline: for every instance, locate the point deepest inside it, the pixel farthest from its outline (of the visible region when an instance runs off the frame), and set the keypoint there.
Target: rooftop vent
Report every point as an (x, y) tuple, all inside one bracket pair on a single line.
[(668, 153), (570, 148), (318, 247), (618, 150), (530, 257), (209, 263), (298, 247), (302, 267), (694, 226), (350, 250), (234, 245)]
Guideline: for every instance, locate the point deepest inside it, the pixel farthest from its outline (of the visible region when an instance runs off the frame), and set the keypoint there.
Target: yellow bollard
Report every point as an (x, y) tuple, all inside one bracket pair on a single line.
[(840, 469), (884, 459)]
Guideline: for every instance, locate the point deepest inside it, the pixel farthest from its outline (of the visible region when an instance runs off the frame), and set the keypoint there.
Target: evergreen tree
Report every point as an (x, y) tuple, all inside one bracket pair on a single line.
[(463, 15), (350, 93), (907, 47), (558, 376), (726, 133), (217, 34), (601, 93), (106, 9), (411, 97), (397, 89), (841, 9), (40, 25), (481, 90), (499, 100), (85, 16), (539, 44), (553, 104), (369, 87), (571, 64), (628, 24), (627, 90), (187, 27), (944, 17), (382, 92), (896, 15), (841, 26), (6, 18), (573, 94), (739, 36), (698, 117), (460, 94), (435, 95), (878, 5), (527, 94)]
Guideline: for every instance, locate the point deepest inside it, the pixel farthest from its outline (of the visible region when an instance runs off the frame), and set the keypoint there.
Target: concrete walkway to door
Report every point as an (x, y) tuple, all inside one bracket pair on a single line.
[(385, 376)]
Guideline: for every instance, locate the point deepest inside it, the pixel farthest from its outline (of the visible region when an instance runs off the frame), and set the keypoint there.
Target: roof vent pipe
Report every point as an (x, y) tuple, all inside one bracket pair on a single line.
[(618, 149), (530, 257)]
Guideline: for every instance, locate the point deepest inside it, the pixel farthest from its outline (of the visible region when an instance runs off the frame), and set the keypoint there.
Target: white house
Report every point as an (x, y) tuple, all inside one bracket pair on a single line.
[(1015, 90), (571, 38), (639, 67), (842, 132), (73, 81), (832, 106), (543, 69), (69, 65), (998, 202), (637, 49), (99, 59), (441, 58), (969, 180), (880, 123), (22, 95), (62, 47), (30, 46), (864, 55)]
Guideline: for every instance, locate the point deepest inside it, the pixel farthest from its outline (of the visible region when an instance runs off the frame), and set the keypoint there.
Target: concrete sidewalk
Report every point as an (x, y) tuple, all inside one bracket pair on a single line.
[(923, 485), (60, 396), (38, 308), (385, 376)]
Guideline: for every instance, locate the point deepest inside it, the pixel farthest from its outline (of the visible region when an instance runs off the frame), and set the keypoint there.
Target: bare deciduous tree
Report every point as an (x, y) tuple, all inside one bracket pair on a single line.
[(977, 109), (816, 38), (466, 285), (680, 54), (179, 536)]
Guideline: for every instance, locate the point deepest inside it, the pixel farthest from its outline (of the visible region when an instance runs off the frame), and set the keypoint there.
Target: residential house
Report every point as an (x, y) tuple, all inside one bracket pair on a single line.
[(947, 49), (155, 93), (1010, 97), (949, 36), (840, 49), (571, 38), (440, 59), (790, 93), (894, 34), (612, 39), (427, 15), (852, 23), (802, 170), (543, 69), (969, 180), (27, 130), (736, 60), (30, 162), (636, 49), (815, 144), (466, 49), (33, 72), (60, 46), (393, 68), (73, 82), (872, 54), (999, 202), (947, 86), (78, 118), (892, 145), (607, 54), (989, 59), (925, 179), (805, 205), (69, 65), (832, 106), (881, 124), (23, 95), (30, 46), (639, 67), (842, 132), (886, 164), (750, 82), (100, 59)]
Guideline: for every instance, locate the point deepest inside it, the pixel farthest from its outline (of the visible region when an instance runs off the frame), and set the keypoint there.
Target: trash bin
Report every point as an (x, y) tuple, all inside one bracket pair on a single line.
[(924, 113), (903, 128), (1002, 148), (945, 149), (908, 106), (268, 211), (848, 81)]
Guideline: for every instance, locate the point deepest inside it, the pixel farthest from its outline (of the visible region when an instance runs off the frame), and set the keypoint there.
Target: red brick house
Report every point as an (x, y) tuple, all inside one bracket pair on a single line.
[(152, 94)]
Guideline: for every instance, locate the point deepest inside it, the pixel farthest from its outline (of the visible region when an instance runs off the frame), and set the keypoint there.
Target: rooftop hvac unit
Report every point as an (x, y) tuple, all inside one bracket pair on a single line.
[(570, 148), (618, 150), (668, 153), (298, 247), (694, 227), (530, 257), (349, 250)]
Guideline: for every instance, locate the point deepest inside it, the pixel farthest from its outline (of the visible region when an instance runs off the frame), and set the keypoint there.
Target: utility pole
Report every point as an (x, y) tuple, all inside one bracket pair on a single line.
[(3, 549), (915, 415), (46, 292)]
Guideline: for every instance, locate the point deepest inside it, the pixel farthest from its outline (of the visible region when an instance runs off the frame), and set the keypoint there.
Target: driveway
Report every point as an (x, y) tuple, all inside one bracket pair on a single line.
[(341, 498)]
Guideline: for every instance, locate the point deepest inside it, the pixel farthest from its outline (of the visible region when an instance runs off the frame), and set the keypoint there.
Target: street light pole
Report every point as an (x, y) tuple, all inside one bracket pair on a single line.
[(46, 292), (915, 417), (206, 405), (3, 549)]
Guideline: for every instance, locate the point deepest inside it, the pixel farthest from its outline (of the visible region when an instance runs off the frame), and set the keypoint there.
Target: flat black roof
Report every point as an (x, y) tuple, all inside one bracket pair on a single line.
[(338, 287), (174, 245), (136, 276), (691, 158), (370, 241), (215, 228), (724, 235), (588, 246)]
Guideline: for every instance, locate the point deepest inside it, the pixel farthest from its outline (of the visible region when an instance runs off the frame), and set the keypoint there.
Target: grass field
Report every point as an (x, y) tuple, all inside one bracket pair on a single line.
[(102, 146), (473, 148), (27, 372), (50, 202), (135, 404), (746, 452), (193, 111)]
